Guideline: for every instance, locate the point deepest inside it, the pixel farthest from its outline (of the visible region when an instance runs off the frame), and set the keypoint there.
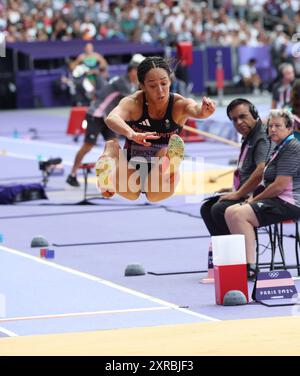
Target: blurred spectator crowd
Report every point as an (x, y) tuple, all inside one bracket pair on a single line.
[(165, 22)]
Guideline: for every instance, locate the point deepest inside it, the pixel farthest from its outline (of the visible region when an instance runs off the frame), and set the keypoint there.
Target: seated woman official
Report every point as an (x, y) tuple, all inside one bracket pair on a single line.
[(278, 197)]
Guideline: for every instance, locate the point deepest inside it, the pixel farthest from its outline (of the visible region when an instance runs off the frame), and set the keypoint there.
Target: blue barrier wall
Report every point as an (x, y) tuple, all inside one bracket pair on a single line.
[(263, 60), (62, 49), (196, 72), (211, 61), (35, 87)]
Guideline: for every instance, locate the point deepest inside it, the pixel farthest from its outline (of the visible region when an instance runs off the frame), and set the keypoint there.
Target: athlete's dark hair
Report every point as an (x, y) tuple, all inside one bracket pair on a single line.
[(149, 63)]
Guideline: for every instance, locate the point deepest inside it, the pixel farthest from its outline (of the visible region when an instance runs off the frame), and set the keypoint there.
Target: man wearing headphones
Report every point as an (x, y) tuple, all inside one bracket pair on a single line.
[(251, 162)]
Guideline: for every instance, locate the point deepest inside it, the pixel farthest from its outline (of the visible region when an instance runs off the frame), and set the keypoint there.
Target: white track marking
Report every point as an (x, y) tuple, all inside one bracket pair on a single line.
[(8, 332), (82, 314), (185, 163), (42, 143)]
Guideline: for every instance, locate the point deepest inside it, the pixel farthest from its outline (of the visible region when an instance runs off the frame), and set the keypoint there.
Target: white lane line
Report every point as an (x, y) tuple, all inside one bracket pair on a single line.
[(8, 332), (187, 163), (40, 143), (109, 284), (31, 158), (36, 144), (82, 314)]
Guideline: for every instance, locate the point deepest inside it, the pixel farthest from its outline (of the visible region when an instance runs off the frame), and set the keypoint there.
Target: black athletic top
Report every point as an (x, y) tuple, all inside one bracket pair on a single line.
[(165, 127)]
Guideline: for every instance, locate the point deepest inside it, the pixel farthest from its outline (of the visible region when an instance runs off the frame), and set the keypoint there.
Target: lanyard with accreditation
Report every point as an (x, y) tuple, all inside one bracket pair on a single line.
[(274, 154), (277, 149)]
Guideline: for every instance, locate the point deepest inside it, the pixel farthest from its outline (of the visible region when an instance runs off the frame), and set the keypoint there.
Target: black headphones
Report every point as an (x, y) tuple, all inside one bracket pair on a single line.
[(236, 102)]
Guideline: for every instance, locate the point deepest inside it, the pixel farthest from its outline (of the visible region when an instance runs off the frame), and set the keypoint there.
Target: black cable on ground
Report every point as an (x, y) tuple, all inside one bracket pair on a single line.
[(70, 213), (131, 241)]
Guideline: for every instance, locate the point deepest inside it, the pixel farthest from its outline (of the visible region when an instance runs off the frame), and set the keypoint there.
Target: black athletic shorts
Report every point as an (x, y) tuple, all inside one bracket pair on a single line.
[(95, 126), (144, 169), (273, 210)]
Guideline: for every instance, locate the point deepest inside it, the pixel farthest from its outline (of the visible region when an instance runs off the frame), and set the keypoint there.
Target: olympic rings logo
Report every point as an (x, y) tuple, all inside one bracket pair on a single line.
[(273, 274)]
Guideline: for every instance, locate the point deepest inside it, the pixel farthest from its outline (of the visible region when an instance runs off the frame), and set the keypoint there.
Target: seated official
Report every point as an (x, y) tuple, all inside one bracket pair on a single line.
[(278, 197), (251, 163)]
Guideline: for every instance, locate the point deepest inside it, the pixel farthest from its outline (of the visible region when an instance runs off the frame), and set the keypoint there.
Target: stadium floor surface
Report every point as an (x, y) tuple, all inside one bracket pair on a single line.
[(81, 303)]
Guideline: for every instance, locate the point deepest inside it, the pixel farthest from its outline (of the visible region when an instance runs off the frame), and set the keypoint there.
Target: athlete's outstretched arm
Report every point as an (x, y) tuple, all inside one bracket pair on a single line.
[(116, 121), (201, 110)]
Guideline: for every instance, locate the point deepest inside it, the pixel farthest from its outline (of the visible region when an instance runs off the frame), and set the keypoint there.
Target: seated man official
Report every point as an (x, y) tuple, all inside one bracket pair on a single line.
[(251, 162)]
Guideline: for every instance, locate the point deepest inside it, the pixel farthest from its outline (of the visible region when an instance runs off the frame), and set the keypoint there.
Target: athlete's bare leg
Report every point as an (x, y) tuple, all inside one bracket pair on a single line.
[(164, 175), (115, 175)]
